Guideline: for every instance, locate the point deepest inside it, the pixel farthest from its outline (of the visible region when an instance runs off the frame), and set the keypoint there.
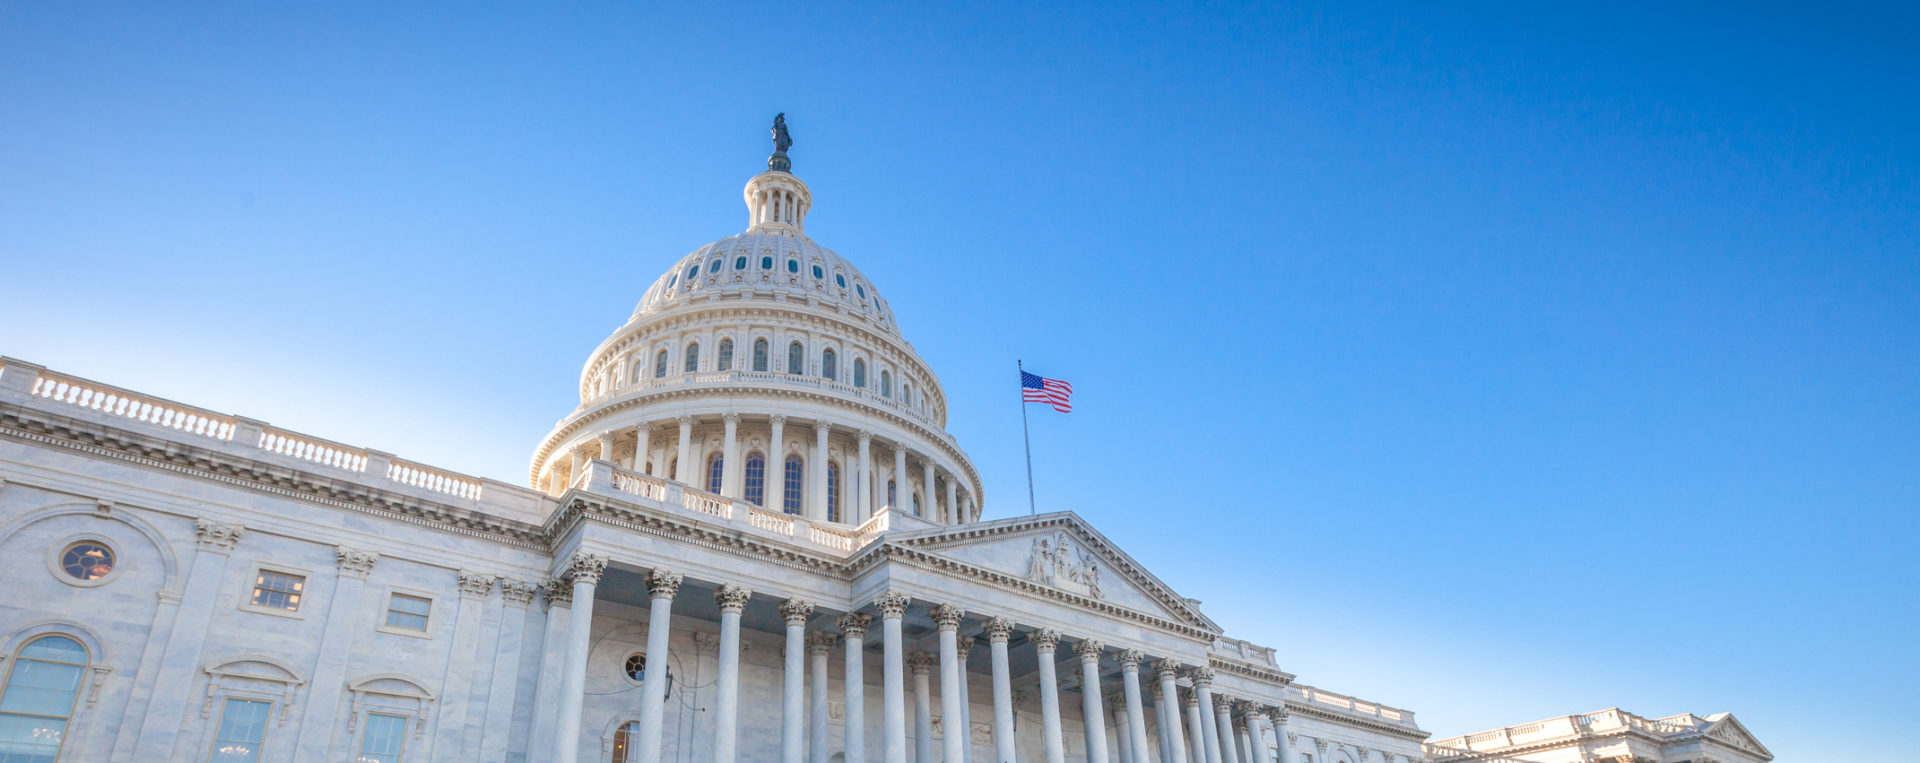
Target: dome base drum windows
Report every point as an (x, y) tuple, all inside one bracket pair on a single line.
[(796, 359), (795, 473), (859, 373), (693, 357), (724, 360), (827, 364), (716, 470), (756, 491), (760, 355)]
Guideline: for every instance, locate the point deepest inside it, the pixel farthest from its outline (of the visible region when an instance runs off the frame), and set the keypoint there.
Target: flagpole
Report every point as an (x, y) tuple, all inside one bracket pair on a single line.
[(1026, 438)]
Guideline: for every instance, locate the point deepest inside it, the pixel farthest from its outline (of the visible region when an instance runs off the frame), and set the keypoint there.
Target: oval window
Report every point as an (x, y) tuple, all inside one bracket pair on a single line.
[(714, 268), (693, 272), (87, 560), (840, 279), (861, 289), (740, 263), (672, 281), (817, 273)]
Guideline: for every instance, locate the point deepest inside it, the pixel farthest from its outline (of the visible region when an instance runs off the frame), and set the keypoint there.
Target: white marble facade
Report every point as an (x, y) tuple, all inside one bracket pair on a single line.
[(190, 585)]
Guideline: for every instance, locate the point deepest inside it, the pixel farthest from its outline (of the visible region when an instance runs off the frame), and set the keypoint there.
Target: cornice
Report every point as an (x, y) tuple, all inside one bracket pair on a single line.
[(32, 425), (1311, 710), (1269, 675), (583, 507)]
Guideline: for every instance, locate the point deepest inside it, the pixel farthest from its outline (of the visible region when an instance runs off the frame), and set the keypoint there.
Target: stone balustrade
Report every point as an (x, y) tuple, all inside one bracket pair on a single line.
[(770, 380), (1324, 698), (1563, 727)]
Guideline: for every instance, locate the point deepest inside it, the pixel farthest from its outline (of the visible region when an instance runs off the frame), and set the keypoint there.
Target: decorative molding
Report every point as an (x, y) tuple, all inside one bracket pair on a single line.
[(820, 642), (1167, 668), (999, 629), (476, 584), (1045, 640), (559, 593), (948, 616), (796, 612), (218, 537), (1089, 650), (964, 646), (518, 593), (853, 625), (892, 605), (354, 563), (663, 584), (732, 598), (1130, 660), (921, 662)]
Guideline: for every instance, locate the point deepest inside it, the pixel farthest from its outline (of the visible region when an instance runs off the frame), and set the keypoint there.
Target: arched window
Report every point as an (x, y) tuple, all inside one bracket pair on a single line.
[(759, 354), (724, 361), (793, 266), (692, 273), (827, 368), (739, 263), (660, 365), (639, 370), (796, 359), (766, 263), (890, 503), (859, 373), (673, 468), (796, 471), (693, 357), (38, 698), (817, 273), (833, 491), (886, 385), (716, 466), (714, 268), (916, 505), (906, 393), (757, 478), (626, 743)]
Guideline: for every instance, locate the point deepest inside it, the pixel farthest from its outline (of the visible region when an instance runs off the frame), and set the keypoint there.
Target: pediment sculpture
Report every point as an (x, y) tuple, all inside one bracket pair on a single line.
[(1057, 562)]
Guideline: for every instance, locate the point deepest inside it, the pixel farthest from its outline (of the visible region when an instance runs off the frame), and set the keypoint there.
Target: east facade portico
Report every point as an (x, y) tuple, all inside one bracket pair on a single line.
[(1609, 736)]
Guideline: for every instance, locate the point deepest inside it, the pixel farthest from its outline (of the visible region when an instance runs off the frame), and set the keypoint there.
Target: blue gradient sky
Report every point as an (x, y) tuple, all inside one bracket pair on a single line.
[(1499, 362)]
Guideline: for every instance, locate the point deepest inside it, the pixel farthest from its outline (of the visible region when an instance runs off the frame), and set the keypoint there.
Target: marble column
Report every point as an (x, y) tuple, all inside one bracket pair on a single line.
[(963, 647), (863, 478), (1045, 641), (1096, 718), (515, 595), (893, 686), (553, 649), (953, 505), (578, 462), (730, 472), (818, 510), (793, 709), (776, 476), (684, 471), (922, 664), (642, 443), (662, 585), (902, 492), (853, 629), (330, 660), (1257, 728), (947, 618), (1116, 704), (455, 698), (606, 447), (166, 709), (999, 630), (1209, 729), (930, 504), (1243, 736), (1223, 719), (726, 717), (819, 645), (1136, 714), (1196, 728), (1176, 745), (584, 570), (1277, 716)]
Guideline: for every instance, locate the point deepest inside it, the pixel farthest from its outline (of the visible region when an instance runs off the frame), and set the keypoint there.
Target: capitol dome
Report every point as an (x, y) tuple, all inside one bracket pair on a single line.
[(766, 368)]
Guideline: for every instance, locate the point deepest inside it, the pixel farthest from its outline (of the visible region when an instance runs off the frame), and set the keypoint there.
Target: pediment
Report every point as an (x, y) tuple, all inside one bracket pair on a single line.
[(1060, 552), (1728, 730)]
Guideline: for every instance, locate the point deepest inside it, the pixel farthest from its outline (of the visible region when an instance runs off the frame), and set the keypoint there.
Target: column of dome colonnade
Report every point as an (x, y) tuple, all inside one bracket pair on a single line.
[(684, 457)]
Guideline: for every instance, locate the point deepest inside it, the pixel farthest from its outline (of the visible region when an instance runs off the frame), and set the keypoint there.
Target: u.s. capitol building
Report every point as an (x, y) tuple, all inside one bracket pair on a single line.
[(753, 540)]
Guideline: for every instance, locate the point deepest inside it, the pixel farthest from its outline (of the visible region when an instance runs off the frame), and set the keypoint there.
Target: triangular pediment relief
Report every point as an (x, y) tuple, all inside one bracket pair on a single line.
[(1728, 730), (1063, 553)]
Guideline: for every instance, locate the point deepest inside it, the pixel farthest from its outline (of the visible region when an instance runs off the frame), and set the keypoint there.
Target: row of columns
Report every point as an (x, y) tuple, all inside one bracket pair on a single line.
[(1217, 737), (857, 485)]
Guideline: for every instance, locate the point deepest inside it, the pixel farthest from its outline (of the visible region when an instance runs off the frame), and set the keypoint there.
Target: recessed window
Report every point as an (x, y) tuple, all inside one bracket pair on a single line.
[(886, 385), (790, 497), (766, 263), (408, 612), (39, 697), (827, 365), (243, 726), (660, 365), (87, 560), (724, 361), (637, 666), (756, 478), (796, 359), (859, 373), (818, 273), (840, 279), (833, 491), (759, 354), (861, 290), (384, 739), (674, 280), (693, 272), (793, 266), (278, 590), (693, 358), (716, 469), (714, 268), (740, 263)]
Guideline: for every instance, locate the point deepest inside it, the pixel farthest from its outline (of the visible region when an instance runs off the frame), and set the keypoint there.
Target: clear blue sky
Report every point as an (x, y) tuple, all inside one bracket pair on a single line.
[(1498, 362)]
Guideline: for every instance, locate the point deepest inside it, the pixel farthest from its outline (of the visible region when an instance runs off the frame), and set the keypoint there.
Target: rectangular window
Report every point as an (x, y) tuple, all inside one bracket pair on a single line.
[(243, 727), (278, 590), (409, 612), (385, 737)]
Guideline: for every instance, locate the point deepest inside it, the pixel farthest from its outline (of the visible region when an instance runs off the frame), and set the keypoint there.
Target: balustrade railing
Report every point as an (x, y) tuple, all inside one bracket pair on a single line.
[(114, 401), (313, 449), (429, 478), (863, 394), (1350, 704)]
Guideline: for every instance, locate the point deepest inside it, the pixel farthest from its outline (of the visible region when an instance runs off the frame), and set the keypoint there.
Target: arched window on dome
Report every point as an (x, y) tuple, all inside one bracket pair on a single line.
[(796, 473), (766, 263), (818, 274), (916, 505), (886, 385), (673, 468), (693, 358), (715, 267), (793, 266), (833, 491), (639, 371), (906, 393), (39, 696), (740, 263), (692, 273), (827, 367), (759, 354), (724, 360), (890, 494), (859, 373), (756, 478), (660, 365), (716, 468), (796, 359)]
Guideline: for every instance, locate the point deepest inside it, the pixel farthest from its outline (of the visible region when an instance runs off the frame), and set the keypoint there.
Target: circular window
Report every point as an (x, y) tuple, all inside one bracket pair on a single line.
[(83, 560), (637, 667)]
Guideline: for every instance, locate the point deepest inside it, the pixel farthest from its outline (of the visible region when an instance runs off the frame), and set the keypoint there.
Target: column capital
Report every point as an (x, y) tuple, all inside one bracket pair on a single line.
[(854, 625), (796, 611), (606, 438), (476, 584), (218, 537), (1045, 640), (864, 436), (964, 645), (778, 419), (1240, 724), (948, 616), (893, 605), (1130, 659), (559, 593), (1167, 669), (1222, 704), (354, 563), (1116, 703), (822, 428), (732, 598), (643, 429), (1089, 650), (819, 642), (730, 417), (1277, 713), (1202, 677), (999, 629), (685, 421), (663, 584), (518, 593), (921, 662), (586, 568), (1190, 697)]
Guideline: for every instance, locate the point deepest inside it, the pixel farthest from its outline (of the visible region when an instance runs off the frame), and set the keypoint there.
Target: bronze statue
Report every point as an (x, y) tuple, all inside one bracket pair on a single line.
[(781, 140)]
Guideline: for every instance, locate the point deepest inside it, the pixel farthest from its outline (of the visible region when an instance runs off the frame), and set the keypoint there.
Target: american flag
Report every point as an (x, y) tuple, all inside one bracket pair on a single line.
[(1039, 389)]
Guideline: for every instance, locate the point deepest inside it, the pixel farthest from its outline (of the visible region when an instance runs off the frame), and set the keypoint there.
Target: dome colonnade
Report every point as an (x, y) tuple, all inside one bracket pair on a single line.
[(766, 368)]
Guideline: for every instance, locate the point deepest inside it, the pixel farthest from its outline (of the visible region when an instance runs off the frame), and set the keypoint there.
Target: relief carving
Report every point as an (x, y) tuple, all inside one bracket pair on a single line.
[(1055, 562)]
